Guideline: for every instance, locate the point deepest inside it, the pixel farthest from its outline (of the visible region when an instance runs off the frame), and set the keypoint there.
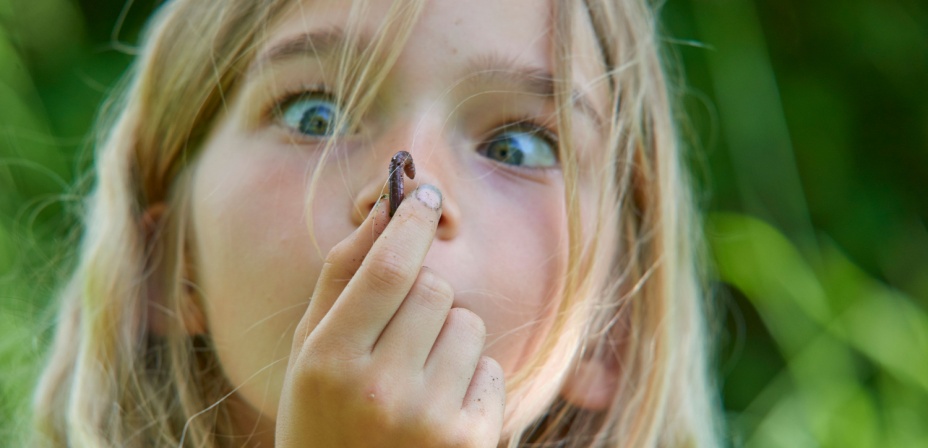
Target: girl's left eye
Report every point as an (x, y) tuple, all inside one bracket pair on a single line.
[(314, 114), (522, 144)]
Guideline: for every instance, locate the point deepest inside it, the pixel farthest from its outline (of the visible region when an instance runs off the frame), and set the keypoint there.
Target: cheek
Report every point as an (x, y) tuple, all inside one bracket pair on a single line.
[(522, 263), (255, 264)]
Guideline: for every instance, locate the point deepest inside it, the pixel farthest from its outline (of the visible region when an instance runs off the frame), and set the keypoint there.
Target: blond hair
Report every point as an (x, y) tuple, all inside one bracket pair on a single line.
[(632, 290)]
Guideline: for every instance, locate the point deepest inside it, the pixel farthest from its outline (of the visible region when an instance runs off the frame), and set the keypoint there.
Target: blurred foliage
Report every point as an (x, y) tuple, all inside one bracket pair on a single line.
[(808, 123)]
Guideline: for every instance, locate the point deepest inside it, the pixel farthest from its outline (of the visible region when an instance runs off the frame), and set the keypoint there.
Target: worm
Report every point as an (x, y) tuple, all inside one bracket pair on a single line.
[(401, 161)]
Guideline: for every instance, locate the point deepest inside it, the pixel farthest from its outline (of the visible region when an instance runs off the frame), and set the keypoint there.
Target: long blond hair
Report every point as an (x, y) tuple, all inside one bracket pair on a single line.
[(632, 289)]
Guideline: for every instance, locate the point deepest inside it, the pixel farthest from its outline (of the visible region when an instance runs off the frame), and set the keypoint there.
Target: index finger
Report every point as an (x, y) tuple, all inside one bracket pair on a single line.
[(340, 265), (387, 273)]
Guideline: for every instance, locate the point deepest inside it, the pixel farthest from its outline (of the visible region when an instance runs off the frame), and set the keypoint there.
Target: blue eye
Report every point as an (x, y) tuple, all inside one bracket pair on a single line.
[(312, 114), (522, 144)]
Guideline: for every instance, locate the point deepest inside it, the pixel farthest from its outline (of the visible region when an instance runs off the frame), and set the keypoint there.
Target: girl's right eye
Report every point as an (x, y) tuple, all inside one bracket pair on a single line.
[(314, 114)]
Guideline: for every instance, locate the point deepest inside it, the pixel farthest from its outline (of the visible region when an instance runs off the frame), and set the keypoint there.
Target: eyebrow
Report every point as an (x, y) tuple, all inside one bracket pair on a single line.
[(490, 68), (496, 68), (315, 44)]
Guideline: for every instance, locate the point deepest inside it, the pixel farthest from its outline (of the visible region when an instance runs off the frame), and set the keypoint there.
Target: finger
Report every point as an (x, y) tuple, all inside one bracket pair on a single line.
[(485, 402), (340, 265), (412, 332), (451, 364), (387, 273)]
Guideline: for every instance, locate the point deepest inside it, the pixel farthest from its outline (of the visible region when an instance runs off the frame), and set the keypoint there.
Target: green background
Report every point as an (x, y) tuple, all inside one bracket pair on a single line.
[(807, 129)]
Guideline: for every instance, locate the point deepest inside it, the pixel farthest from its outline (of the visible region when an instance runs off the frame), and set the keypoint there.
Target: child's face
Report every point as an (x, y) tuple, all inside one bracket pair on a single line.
[(469, 69)]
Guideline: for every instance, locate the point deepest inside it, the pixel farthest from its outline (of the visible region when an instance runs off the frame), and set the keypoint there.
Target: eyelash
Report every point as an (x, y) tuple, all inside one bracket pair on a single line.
[(526, 121), (545, 131), (276, 107)]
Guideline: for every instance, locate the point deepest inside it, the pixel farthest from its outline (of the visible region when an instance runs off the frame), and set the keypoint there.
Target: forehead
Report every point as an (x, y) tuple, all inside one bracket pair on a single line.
[(447, 31), (483, 21)]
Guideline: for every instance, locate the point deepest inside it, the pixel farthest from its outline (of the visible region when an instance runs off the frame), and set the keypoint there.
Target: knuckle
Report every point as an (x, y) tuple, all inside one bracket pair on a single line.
[(467, 322), (432, 291), (323, 353), (313, 379), (337, 254), (387, 269), (334, 263), (300, 334)]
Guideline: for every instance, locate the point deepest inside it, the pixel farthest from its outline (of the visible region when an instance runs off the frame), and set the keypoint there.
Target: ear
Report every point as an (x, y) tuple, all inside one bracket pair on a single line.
[(160, 312), (594, 381)]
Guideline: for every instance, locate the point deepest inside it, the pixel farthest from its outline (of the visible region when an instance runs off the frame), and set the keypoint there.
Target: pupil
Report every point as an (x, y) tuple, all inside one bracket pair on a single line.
[(506, 152), (316, 121)]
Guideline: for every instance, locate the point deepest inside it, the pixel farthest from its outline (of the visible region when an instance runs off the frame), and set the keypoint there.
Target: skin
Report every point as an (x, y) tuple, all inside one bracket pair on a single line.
[(387, 331)]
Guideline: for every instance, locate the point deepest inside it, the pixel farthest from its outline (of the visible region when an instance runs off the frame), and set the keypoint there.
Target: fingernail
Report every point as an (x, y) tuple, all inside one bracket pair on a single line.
[(429, 196)]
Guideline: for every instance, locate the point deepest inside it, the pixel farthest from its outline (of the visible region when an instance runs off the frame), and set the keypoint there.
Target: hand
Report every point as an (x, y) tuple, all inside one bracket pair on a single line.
[(380, 359)]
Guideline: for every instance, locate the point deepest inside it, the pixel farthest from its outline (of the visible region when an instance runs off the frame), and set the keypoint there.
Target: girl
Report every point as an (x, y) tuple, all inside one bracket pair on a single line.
[(241, 283)]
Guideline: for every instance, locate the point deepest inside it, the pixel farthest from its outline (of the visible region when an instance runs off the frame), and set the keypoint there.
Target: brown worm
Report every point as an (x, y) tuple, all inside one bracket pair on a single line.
[(401, 161)]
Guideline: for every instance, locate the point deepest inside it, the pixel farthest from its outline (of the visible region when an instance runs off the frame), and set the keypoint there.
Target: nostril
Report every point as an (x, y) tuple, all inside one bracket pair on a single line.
[(368, 208), (449, 221)]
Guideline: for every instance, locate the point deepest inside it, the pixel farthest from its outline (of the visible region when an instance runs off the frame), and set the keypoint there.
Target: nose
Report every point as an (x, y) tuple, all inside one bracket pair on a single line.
[(434, 161)]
